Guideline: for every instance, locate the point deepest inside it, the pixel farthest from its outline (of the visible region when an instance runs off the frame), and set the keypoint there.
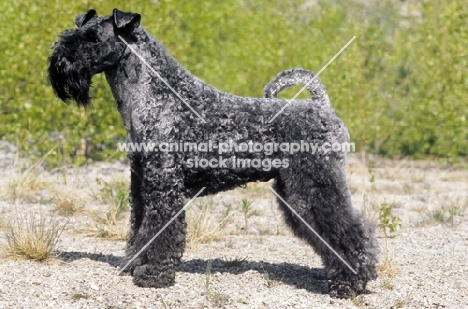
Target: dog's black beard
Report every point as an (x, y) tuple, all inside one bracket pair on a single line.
[(68, 72)]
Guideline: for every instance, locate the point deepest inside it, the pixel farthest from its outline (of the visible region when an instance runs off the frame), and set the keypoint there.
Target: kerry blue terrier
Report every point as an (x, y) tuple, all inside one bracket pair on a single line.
[(161, 102)]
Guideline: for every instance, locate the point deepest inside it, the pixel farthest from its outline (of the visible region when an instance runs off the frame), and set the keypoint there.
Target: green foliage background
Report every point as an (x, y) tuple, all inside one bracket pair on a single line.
[(400, 86)]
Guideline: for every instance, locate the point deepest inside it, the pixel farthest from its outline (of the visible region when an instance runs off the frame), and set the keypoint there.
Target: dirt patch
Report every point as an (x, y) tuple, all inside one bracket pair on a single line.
[(252, 261)]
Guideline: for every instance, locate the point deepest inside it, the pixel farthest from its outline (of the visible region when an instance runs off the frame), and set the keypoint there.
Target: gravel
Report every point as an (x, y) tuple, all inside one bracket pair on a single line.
[(264, 267)]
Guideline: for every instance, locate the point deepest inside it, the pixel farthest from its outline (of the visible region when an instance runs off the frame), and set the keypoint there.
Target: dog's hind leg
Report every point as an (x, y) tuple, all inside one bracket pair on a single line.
[(320, 195)]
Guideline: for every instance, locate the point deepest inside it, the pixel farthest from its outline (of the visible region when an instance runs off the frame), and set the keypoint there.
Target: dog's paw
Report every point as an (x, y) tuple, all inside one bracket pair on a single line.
[(143, 276), (128, 270), (346, 289)]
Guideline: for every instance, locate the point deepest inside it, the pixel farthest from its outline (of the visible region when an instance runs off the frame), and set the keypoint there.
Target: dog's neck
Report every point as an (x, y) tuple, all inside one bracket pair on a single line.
[(158, 69)]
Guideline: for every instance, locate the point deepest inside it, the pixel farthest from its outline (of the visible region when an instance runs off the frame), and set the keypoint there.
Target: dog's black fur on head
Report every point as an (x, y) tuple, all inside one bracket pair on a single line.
[(86, 51), (313, 183)]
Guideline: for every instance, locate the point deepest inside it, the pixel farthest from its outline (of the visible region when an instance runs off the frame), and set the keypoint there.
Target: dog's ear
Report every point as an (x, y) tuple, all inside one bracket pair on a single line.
[(84, 18), (125, 20)]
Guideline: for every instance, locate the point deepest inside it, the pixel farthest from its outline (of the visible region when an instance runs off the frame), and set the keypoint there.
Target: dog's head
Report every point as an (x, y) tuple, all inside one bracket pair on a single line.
[(92, 48)]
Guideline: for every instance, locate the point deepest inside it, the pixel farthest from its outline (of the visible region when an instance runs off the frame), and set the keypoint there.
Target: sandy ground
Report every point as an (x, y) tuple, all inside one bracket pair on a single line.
[(424, 264)]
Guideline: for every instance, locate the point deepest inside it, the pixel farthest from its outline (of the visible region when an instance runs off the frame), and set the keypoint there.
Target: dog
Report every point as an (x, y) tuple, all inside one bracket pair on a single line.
[(161, 102)]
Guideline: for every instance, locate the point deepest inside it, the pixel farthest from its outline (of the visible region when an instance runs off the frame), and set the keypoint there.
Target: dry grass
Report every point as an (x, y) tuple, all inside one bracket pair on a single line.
[(402, 302), (356, 185), (162, 301), (114, 192), (113, 223), (111, 232), (204, 224), (79, 296), (213, 297), (258, 189), (358, 301), (387, 285), (369, 208), (236, 262), (449, 212), (66, 203), (270, 282), (26, 185), (455, 176), (2, 220), (32, 237), (386, 268)]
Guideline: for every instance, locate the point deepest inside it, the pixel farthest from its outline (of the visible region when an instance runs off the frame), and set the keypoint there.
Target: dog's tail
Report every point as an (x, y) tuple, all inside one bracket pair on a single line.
[(294, 77)]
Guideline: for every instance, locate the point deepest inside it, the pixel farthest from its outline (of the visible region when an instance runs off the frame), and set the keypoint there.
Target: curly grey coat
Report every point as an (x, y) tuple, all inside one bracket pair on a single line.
[(313, 183)]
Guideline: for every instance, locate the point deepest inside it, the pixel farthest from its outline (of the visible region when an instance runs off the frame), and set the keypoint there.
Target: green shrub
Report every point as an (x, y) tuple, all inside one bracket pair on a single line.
[(399, 86)]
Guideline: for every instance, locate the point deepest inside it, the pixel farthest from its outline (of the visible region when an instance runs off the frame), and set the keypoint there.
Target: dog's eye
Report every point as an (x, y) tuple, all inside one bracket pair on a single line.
[(95, 39), (92, 38)]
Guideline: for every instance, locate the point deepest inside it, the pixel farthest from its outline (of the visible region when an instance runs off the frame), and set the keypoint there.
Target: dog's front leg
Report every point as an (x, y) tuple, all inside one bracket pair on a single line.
[(157, 196), (137, 212)]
